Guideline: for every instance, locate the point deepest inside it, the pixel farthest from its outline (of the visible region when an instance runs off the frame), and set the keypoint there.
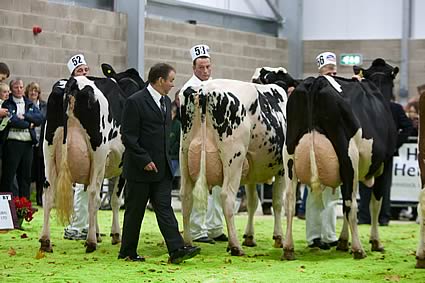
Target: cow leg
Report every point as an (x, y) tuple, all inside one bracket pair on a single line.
[(186, 195), (48, 201), (115, 204), (228, 196), (289, 202), (277, 200), (48, 197), (93, 191), (420, 252), (344, 236), (252, 203), (375, 208)]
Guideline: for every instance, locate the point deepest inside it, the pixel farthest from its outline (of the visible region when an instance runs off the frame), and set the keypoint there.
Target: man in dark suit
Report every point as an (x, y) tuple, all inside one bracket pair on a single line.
[(147, 166)]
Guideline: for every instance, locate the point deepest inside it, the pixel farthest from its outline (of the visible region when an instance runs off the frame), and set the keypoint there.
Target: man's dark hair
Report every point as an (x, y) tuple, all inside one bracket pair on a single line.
[(159, 70), (4, 69)]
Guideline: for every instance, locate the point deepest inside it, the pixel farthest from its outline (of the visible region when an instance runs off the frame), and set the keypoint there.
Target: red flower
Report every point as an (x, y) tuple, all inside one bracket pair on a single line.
[(23, 208)]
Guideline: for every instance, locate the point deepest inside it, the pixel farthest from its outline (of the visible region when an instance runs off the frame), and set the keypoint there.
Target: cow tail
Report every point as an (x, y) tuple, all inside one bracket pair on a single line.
[(200, 191), (64, 194), (314, 182)]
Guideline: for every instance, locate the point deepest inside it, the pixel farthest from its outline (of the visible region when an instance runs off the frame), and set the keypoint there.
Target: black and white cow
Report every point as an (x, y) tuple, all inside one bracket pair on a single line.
[(381, 74), (340, 131), (233, 133), (82, 144)]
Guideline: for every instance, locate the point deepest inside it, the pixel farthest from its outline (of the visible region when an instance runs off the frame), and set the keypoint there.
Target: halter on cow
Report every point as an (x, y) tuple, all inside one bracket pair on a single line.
[(82, 144)]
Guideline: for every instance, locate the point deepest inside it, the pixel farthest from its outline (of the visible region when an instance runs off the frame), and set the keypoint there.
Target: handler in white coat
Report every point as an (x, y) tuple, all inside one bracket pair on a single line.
[(321, 207), (205, 227)]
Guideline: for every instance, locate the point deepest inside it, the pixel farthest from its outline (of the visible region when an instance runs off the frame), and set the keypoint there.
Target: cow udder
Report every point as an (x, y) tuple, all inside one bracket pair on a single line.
[(78, 153), (326, 160)]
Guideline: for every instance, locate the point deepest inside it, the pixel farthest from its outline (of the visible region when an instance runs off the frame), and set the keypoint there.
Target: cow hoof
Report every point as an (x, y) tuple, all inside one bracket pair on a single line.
[(98, 238), (249, 241), (359, 254), (278, 242), (45, 246), (235, 251), (420, 263), (342, 245), (288, 254), (116, 239), (90, 247), (376, 246)]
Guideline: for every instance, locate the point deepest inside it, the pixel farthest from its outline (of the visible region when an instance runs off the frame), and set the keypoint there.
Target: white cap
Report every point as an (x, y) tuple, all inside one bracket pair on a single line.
[(325, 58), (200, 50), (75, 61)]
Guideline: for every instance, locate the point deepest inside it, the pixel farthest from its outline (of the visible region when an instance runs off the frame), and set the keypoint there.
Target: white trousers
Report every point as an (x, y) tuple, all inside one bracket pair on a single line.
[(320, 215), (80, 218), (208, 223)]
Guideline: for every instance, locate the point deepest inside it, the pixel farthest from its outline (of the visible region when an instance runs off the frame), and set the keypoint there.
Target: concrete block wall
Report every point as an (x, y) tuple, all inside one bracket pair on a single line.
[(371, 49), (235, 54), (100, 35)]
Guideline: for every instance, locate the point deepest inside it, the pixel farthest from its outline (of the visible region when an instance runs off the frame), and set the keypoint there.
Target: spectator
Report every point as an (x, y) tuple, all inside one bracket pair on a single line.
[(18, 139), (4, 71), (33, 92), (176, 103)]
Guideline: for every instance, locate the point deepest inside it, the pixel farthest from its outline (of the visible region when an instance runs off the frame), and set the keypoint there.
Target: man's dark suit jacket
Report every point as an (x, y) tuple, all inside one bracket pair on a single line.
[(145, 137)]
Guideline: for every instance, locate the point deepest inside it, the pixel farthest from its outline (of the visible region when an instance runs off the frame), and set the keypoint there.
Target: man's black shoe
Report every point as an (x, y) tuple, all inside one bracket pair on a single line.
[(221, 238), (317, 243), (333, 244), (205, 240), (184, 253), (130, 258)]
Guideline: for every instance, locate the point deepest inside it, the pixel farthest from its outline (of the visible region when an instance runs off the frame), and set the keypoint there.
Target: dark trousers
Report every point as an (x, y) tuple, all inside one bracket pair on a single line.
[(381, 188), (38, 175), (137, 195), (17, 159)]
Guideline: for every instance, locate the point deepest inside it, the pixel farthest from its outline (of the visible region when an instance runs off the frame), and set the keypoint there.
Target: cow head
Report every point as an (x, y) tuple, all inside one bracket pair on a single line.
[(381, 74), (279, 76), (129, 80)]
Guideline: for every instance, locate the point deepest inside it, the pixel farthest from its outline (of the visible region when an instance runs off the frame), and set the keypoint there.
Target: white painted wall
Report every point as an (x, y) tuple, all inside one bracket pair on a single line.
[(352, 19), (251, 7), (418, 19)]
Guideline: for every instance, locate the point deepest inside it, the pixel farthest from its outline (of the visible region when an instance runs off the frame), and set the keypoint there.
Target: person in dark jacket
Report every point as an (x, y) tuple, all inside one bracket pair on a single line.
[(18, 139), (33, 92)]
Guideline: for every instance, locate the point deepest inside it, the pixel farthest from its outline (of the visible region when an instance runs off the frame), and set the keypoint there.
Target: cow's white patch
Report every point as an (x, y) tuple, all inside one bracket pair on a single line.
[(332, 81)]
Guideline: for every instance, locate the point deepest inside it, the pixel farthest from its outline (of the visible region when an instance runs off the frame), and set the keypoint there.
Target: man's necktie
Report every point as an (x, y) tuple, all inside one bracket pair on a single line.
[(163, 107)]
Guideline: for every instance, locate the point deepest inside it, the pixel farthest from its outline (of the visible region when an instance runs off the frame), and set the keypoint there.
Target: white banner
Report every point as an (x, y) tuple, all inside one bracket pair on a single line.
[(406, 184), (6, 220)]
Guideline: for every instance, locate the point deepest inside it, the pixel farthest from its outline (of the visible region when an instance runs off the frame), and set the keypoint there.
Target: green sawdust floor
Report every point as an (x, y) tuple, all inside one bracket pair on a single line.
[(70, 263)]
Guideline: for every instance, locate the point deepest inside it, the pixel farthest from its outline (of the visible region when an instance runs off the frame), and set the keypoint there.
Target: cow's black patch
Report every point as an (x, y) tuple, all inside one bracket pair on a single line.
[(55, 110), (187, 109), (253, 107), (227, 113), (290, 168), (103, 122), (87, 110)]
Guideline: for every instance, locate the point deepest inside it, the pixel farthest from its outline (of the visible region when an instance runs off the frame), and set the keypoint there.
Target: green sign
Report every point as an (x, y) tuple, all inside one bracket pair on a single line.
[(351, 59)]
